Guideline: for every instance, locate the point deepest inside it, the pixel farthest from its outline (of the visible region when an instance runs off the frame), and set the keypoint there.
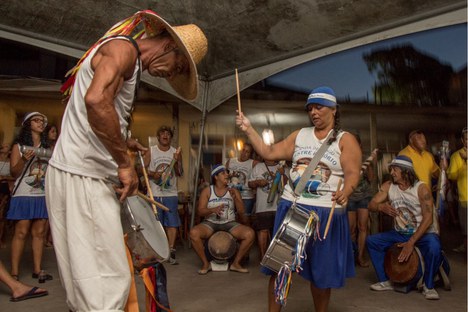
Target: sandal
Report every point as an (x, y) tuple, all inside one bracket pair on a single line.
[(32, 293), (42, 276)]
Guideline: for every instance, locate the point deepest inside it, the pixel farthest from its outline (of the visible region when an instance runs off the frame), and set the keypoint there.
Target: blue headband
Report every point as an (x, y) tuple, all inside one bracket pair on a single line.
[(324, 96), (217, 169)]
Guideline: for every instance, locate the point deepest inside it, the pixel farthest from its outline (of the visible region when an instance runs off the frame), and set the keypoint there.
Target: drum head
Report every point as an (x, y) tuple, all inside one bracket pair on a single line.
[(144, 224), (400, 272), (222, 245)]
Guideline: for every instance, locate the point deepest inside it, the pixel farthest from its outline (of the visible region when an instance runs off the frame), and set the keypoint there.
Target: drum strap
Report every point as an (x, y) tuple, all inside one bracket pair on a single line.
[(312, 165)]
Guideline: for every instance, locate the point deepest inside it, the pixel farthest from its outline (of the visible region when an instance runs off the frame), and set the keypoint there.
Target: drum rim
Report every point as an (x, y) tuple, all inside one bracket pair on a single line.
[(163, 252)]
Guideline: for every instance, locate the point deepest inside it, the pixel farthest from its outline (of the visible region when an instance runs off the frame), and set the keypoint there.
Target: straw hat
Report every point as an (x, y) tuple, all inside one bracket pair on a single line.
[(191, 40)]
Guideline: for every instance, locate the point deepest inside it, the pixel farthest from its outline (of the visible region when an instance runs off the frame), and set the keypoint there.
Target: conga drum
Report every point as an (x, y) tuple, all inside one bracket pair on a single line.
[(404, 275), (222, 246)]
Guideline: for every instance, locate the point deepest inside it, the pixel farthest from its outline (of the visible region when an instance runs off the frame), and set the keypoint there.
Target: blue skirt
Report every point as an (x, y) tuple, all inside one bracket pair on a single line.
[(27, 208), (329, 262)]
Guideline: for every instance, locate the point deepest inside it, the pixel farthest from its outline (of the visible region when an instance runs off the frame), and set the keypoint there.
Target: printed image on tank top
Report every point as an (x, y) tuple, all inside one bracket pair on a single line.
[(267, 176), (237, 180), (165, 181), (405, 222), (317, 185), (36, 176)]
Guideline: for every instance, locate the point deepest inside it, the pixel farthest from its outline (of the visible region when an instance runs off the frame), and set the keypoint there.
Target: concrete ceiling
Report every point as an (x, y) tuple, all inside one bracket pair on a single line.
[(258, 37)]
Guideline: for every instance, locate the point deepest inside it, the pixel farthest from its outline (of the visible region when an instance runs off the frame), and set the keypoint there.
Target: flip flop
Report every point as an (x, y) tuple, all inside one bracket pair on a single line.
[(32, 293), (204, 271), (239, 270)]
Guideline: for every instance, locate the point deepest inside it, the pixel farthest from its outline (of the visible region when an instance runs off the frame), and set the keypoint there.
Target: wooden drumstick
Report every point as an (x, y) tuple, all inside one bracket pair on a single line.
[(148, 186), (238, 93), (331, 212), (152, 201)]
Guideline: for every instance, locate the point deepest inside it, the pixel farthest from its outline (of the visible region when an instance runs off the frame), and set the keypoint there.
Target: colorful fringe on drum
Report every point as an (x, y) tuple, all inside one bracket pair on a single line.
[(122, 28), (284, 279), (155, 281)]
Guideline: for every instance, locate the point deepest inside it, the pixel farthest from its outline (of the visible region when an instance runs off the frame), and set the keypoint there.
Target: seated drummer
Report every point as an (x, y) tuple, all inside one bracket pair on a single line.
[(218, 205), (409, 202)]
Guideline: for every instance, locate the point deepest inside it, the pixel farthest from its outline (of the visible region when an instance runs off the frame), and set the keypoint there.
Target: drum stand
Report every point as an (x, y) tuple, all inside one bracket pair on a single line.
[(216, 266)]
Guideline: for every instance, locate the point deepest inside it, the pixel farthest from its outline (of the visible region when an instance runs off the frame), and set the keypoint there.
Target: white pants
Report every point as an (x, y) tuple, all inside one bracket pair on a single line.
[(84, 216)]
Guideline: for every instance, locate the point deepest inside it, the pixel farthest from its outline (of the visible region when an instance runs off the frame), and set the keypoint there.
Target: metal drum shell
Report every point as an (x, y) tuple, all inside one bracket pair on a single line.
[(283, 245), (146, 238)]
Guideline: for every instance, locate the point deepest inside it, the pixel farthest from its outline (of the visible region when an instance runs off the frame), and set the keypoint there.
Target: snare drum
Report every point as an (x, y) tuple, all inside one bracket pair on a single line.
[(282, 248), (146, 238), (222, 246)]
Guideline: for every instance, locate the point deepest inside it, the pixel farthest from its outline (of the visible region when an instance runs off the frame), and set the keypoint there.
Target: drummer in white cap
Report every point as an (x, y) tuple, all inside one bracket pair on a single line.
[(92, 149), (409, 202)]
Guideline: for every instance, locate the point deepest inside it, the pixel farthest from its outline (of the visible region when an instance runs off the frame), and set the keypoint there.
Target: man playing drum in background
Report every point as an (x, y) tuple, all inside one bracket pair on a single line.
[(409, 202), (218, 204), (92, 150)]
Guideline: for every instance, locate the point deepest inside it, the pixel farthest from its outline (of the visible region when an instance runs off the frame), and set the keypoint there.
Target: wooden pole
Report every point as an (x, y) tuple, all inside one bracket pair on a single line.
[(238, 93), (148, 186)]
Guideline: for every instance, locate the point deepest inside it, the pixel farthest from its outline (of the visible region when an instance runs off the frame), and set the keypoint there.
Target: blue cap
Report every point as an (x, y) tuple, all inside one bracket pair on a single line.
[(402, 162), (217, 169), (324, 96)]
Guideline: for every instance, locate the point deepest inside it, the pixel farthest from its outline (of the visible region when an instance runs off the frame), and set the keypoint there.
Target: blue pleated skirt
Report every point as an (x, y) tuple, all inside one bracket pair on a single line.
[(329, 262), (27, 208)]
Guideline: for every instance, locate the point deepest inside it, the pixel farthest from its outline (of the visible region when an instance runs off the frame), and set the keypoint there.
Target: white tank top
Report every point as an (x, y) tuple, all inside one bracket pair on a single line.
[(229, 213), (324, 180), (260, 172), (409, 209), (78, 149), (239, 176), (160, 161)]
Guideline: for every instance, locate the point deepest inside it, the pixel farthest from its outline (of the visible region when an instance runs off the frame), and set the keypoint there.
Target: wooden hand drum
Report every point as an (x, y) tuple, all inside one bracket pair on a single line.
[(400, 272)]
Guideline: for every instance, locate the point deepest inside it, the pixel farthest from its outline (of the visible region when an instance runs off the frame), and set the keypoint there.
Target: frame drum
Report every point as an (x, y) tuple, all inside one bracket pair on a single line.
[(146, 237)]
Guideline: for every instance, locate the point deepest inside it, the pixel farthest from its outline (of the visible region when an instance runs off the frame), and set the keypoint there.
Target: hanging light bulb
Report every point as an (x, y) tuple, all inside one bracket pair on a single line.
[(240, 145), (268, 137)]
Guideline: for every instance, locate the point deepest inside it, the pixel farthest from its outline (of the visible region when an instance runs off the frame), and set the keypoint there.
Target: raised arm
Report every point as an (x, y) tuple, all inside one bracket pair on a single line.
[(282, 150)]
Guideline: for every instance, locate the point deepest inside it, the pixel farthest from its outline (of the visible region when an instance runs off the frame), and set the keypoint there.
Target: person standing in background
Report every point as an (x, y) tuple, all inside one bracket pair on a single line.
[(423, 161), (358, 214), (262, 179), (28, 203), (164, 164), (6, 184), (240, 169), (457, 172)]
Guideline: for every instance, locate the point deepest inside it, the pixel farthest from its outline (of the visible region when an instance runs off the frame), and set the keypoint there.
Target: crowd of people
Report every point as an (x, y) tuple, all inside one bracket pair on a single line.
[(248, 196)]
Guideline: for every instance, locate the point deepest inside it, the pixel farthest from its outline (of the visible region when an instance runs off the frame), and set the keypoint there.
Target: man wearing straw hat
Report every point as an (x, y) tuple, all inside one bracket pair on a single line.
[(92, 150)]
